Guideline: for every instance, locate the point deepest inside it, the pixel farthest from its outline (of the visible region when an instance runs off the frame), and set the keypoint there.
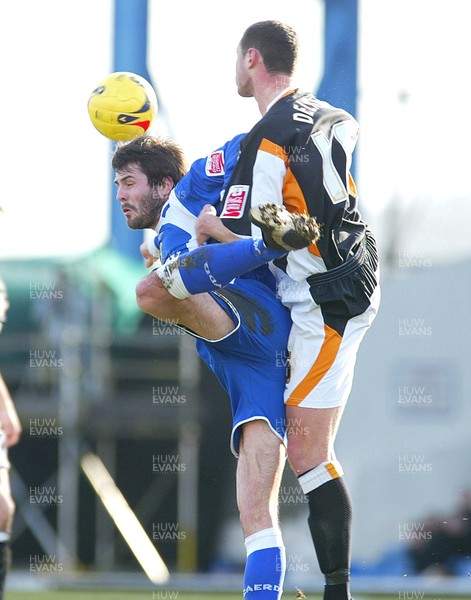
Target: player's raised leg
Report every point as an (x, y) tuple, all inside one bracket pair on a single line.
[(259, 470), (212, 266), (283, 230), (199, 313)]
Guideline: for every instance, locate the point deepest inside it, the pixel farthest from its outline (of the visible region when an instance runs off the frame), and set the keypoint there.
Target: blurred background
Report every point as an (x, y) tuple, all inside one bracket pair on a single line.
[(89, 372)]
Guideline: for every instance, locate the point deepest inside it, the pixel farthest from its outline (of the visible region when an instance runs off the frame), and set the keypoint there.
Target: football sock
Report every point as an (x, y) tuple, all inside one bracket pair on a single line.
[(330, 515), (266, 565), (213, 266), (5, 559)]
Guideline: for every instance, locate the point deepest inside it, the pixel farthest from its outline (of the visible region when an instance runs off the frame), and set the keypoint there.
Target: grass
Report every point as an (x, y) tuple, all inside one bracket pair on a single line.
[(170, 595), (130, 595), (115, 595)]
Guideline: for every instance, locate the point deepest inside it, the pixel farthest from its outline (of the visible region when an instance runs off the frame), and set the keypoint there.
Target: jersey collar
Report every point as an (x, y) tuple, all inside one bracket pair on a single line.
[(285, 92)]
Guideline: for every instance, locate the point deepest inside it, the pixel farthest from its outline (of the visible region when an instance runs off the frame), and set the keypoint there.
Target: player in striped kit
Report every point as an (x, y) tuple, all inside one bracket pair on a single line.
[(298, 156)]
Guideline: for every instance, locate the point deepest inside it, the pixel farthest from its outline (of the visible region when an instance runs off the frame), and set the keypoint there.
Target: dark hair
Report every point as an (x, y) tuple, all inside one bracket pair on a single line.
[(276, 42), (157, 158)]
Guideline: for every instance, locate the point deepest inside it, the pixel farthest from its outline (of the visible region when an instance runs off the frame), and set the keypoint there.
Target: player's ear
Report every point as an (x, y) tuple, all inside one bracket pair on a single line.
[(165, 186), (253, 57)]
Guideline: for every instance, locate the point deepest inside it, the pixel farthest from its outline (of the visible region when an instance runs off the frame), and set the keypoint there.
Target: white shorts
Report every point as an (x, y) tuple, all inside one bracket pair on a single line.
[(328, 327)]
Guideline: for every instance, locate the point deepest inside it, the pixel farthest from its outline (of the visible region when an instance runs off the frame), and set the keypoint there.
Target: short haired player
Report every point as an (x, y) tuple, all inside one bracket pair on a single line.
[(298, 157)]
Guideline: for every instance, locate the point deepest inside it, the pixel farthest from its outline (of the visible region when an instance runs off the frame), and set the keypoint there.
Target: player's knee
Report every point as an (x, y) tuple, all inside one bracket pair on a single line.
[(153, 299), (304, 456), (261, 461)]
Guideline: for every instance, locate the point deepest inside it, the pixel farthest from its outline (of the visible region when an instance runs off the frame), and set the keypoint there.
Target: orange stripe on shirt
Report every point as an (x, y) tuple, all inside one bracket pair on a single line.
[(274, 149), (293, 197), (289, 92), (322, 364), (352, 188), (332, 471)]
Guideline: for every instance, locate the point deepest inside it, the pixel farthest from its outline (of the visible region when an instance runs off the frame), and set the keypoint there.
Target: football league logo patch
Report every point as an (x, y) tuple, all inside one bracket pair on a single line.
[(235, 202), (215, 164)]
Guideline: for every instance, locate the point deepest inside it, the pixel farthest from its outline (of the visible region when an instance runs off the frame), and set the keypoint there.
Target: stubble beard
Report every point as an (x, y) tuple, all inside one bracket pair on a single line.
[(245, 89), (149, 212)]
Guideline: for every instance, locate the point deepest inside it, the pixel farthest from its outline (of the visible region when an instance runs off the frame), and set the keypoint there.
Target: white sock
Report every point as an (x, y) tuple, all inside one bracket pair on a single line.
[(321, 474)]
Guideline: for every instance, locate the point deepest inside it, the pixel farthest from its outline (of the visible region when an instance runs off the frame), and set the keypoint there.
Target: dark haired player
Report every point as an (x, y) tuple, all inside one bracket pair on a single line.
[(299, 156), (240, 329)]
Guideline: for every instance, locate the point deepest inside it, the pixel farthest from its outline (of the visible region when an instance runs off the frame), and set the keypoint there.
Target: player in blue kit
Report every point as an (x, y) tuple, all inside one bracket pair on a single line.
[(241, 331), (250, 300)]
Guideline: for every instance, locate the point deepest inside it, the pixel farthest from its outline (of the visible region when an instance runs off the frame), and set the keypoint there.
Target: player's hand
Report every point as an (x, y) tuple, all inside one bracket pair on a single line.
[(150, 260), (208, 225)]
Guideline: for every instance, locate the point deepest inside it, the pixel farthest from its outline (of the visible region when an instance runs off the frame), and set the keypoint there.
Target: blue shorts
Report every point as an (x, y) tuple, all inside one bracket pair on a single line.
[(250, 363)]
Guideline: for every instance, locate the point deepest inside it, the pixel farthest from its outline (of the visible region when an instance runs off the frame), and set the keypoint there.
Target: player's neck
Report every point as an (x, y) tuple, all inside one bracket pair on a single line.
[(268, 88)]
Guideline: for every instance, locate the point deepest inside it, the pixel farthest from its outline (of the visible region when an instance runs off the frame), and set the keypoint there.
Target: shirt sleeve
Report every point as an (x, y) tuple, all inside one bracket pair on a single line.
[(176, 232)]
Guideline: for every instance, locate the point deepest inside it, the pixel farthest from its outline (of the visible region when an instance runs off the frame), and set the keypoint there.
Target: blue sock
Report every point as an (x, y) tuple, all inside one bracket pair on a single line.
[(213, 266), (265, 567)]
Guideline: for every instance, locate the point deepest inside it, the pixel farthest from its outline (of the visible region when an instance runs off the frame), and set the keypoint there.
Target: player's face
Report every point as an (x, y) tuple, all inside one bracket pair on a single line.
[(140, 202), (243, 81)]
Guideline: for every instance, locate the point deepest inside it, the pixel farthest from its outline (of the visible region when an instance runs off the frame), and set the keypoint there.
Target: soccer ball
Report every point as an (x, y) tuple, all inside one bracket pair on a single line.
[(122, 106)]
